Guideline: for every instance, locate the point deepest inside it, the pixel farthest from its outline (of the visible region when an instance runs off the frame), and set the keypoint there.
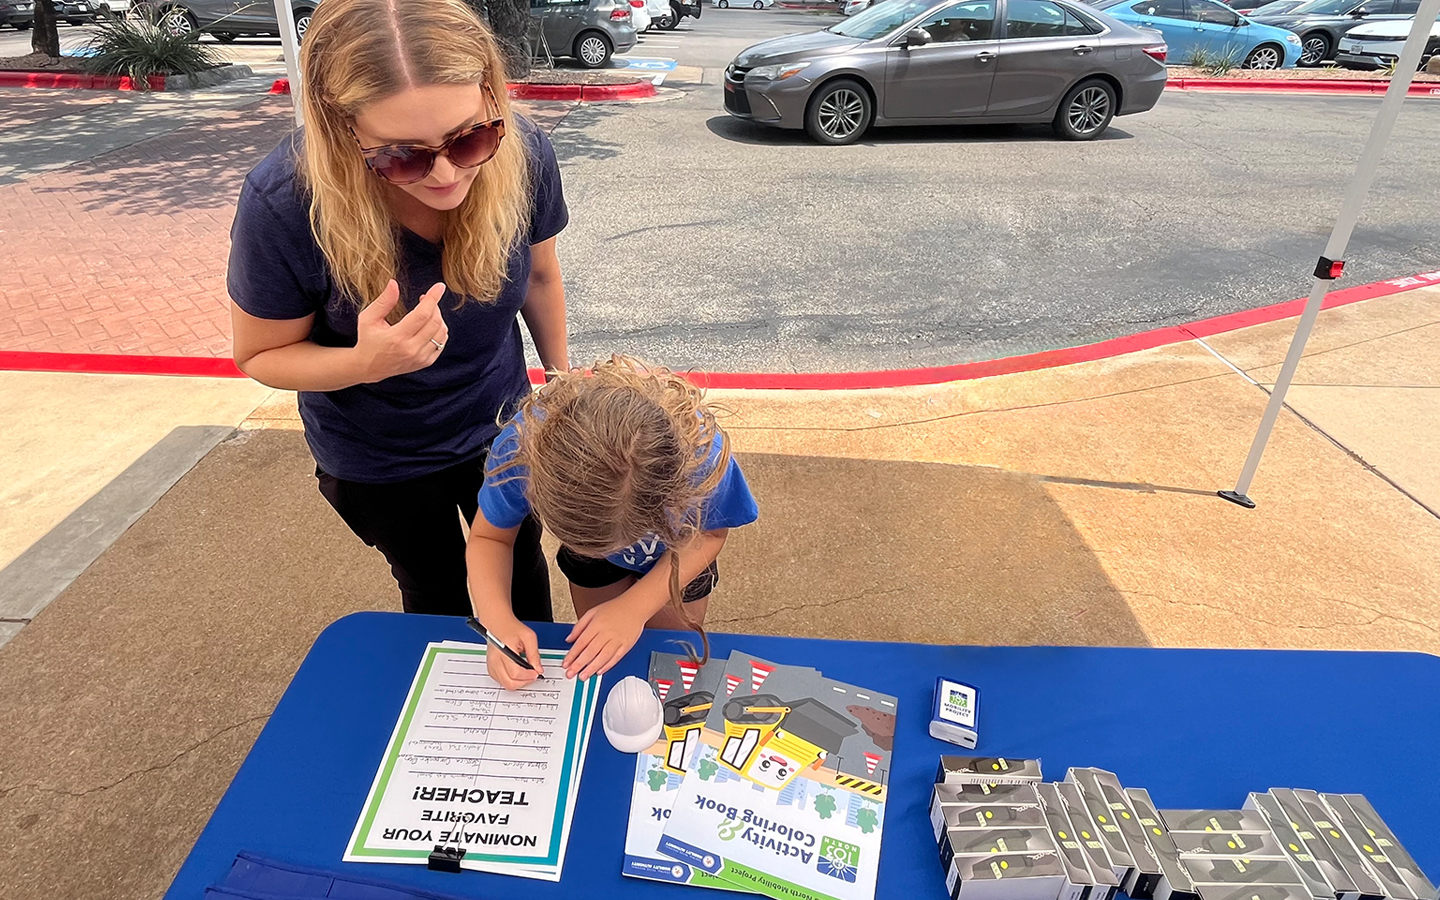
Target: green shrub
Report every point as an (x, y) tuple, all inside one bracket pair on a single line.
[(140, 47), (1197, 58)]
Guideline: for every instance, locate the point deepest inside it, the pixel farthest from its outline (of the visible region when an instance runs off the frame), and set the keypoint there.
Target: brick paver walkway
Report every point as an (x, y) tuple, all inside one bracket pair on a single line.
[(126, 252)]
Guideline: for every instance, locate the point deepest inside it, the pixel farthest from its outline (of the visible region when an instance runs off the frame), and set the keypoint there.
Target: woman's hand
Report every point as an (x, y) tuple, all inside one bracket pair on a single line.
[(602, 636), (520, 638), (411, 344)]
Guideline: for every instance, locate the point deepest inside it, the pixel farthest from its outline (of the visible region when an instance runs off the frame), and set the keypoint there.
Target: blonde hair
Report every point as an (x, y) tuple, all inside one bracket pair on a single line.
[(618, 454), (359, 51)]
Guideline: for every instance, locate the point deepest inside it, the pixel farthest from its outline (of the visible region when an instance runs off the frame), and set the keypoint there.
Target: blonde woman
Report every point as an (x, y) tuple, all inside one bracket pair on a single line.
[(379, 262), (628, 468)]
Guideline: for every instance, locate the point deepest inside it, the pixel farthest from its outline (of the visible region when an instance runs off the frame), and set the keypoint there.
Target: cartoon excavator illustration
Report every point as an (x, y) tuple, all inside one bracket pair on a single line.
[(684, 717), (769, 741)]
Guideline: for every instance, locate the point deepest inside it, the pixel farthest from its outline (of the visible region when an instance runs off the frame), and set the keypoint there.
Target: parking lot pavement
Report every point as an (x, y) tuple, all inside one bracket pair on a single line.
[(701, 240)]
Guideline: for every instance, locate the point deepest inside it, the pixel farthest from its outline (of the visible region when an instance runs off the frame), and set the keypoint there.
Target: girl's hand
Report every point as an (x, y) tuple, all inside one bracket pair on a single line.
[(413, 343), (522, 640), (601, 637)]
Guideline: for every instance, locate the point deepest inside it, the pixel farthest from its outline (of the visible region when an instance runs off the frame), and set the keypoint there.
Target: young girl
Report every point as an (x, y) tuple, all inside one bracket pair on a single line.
[(626, 466), (379, 264)]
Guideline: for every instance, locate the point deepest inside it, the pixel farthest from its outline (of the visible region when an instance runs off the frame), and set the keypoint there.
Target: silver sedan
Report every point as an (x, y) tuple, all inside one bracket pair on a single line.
[(922, 62)]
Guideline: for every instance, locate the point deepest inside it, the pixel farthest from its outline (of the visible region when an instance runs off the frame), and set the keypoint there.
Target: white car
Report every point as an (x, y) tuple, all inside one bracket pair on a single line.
[(851, 7), (640, 16), (1377, 46), (752, 4)]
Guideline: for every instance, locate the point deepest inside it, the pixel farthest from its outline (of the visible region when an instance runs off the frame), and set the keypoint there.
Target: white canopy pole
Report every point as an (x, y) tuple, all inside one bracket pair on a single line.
[(1339, 237), (289, 44)]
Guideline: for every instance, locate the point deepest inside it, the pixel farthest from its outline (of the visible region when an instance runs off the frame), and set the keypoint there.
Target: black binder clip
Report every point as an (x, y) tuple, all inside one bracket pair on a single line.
[(445, 859)]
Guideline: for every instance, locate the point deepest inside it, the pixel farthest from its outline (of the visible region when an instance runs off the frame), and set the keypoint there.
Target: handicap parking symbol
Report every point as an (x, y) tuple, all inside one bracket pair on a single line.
[(649, 65)]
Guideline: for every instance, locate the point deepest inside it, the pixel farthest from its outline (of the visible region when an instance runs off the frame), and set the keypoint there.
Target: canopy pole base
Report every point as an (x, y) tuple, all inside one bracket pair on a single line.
[(1237, 498)]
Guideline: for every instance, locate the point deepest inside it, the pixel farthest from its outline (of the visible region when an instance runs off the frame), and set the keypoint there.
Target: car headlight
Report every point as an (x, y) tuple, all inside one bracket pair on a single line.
[(777, 73), (1292, 39)]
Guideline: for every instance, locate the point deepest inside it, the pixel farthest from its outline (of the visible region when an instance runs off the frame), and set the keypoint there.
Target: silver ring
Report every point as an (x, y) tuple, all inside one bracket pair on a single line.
[(438, 345)]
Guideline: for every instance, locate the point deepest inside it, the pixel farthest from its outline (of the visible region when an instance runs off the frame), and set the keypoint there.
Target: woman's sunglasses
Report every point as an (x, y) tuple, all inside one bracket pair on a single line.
[(409, 163)]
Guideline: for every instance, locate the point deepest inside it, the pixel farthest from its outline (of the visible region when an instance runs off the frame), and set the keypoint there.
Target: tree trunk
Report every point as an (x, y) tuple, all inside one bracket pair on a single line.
[(45, 39), (510, 20)]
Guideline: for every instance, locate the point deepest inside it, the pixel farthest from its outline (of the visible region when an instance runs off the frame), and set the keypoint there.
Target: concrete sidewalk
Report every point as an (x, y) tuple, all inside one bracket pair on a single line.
[(1071, 505)]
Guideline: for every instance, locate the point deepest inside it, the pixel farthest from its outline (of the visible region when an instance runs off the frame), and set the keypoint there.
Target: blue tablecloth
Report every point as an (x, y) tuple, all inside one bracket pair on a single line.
[(1198, 728)]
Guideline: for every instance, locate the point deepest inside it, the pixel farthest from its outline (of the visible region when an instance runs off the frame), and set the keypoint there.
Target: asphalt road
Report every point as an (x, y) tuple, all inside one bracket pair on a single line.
[(699, 240)]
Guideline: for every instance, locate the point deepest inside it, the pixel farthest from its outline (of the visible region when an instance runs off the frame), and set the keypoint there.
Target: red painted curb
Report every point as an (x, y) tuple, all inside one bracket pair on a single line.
[(1300, 86), (118, 364), (75, 81), (581, 92), (529, 91), (114, 364)]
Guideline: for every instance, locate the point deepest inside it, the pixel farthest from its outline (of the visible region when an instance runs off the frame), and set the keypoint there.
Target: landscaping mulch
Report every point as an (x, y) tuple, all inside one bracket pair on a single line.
[(37, 62), (1327, 73), (574, 76)]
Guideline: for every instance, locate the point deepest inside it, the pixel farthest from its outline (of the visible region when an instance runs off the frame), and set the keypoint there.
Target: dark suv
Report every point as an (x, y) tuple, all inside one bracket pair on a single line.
[(1321, 23), (18, 14)]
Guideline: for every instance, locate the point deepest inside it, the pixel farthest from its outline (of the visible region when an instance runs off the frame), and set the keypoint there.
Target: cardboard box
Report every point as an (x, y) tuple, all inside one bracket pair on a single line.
[(1366, 886), (1020, 794), (1081, 883), (1005, 876), (980, 841), (1293, 844), (1330, 868), (1175, 883), (944, 818), (1213, 820), (1254, 844), (1236, 870), (987, 769), (1103, 819), (1095, 853), (1253, 892), (1146, 874), (1375, 855), (1386, 840)]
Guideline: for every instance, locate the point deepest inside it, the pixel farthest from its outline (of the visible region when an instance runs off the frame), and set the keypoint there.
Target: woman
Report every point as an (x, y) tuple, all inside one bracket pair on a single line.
[(377, 265)]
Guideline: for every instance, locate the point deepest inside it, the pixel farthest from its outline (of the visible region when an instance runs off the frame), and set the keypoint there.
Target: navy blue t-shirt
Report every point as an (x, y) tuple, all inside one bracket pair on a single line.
[(407, 425)]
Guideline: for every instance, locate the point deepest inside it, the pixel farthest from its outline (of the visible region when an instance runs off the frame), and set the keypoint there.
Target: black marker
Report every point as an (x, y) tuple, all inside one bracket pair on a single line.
[(516, 658)]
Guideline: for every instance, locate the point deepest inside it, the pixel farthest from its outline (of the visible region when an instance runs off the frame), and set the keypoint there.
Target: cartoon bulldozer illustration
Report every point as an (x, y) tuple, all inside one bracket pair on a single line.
[(684, 717), (769, 742)]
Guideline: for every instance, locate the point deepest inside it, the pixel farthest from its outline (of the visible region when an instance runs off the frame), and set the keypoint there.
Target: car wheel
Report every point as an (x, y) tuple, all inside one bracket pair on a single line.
[(759, 5), (1265, 56), (593, 50), (1314, 49), (226, 37), (302, 23), (839, 113), (668, 21), (179, 22), (724, 4), (1085, 111)]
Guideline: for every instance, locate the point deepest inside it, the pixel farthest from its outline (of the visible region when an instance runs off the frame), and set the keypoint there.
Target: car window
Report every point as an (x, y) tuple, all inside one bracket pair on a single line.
[(1164, 9), (970, 21), (881, 18), (1407, 7), (1323, 8), (1212, 13), (1039, 19)]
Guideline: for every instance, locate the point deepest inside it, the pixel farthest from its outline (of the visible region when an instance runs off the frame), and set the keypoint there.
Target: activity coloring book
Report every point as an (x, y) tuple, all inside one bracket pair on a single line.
[(786, 793)]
